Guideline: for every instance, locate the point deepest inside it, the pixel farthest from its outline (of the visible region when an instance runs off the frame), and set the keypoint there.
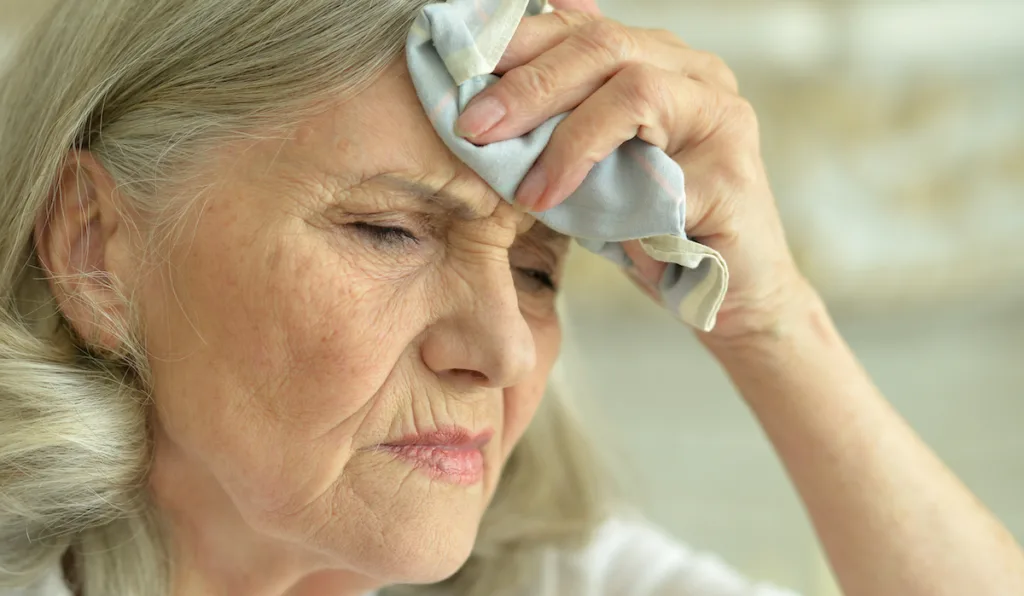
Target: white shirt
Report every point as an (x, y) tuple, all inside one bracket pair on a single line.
[(626, 558)]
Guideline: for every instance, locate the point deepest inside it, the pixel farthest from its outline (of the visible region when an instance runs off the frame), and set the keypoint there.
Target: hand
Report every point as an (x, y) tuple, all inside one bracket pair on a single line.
[(623, 82)]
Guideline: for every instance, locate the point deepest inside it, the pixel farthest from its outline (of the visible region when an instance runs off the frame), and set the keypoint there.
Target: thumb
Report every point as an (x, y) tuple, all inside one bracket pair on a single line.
[(580, 5)]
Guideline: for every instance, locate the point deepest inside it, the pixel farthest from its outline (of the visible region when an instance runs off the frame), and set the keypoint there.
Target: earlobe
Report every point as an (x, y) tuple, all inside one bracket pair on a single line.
[(73, 239)]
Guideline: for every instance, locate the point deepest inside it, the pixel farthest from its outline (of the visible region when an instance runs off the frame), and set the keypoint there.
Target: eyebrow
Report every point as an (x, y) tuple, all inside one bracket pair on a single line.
[(447, 201), (539, 233)]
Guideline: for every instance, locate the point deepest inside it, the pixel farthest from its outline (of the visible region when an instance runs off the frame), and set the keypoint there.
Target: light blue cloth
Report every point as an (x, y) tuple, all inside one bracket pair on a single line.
[(636, 193)]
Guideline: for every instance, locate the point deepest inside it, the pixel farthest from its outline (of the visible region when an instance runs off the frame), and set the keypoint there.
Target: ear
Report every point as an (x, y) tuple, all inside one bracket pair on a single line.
[(580, 5), (83, 244)]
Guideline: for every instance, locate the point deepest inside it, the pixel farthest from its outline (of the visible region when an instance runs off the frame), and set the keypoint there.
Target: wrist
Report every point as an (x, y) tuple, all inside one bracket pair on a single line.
[(800, 320), (800, 359)]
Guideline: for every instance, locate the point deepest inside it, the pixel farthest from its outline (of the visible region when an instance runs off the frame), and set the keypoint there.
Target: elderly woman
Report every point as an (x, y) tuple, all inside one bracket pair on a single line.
[(262, 334)]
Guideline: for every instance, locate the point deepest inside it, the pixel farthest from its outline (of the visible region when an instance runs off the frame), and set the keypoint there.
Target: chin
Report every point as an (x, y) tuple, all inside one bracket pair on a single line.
[(431, 555), (416, 530)]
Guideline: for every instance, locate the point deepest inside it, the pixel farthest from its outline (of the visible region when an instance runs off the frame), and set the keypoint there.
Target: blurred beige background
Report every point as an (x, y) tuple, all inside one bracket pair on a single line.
[(894, 134)]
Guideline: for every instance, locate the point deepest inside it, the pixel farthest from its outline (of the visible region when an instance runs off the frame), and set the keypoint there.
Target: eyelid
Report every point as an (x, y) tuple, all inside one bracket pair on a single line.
[(386, 236), (545, 278), (381, 227), (420, 224), (528, 250)]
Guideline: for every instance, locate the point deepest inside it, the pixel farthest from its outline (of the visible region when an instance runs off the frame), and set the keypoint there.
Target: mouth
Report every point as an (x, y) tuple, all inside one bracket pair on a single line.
[(453, 455)]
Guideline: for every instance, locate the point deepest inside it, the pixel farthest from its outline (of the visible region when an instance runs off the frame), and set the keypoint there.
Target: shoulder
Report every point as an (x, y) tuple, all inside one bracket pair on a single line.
[(630, 557)]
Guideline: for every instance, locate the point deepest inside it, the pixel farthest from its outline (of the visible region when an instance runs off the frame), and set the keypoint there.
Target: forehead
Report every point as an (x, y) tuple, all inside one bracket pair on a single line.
[(384, 134), (384, 131)]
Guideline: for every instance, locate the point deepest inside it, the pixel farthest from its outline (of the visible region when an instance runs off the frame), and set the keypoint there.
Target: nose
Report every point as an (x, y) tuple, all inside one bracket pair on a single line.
[(482, 338)]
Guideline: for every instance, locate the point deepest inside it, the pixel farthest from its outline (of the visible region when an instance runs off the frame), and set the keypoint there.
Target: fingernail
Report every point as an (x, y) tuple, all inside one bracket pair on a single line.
[(480, 117), (532, 188)]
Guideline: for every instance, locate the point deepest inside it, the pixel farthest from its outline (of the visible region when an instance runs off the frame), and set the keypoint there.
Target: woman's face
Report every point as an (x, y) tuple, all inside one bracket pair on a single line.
[(336, 293)]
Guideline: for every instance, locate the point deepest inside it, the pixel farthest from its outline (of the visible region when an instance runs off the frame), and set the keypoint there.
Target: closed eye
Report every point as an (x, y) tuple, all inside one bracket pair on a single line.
[(537, 279), (384, 235)]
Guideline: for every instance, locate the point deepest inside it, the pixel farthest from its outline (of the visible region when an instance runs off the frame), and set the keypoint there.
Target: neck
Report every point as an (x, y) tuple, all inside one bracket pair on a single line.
[(214, 551)]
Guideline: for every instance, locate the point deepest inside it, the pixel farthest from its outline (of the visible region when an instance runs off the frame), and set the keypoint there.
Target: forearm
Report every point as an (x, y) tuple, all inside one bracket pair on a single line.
[(891, 517)]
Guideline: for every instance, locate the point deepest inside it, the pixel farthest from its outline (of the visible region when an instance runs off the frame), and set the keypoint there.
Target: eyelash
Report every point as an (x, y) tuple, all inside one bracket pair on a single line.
[(396, 236), (541, 277), (386, 235)]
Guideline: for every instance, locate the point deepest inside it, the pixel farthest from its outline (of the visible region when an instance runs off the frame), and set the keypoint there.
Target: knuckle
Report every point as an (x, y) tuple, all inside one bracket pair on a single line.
[(743, 113), (610, 37), (720, 70), (742, 171), (644, 86), (531, 83), (736, 172), (731, 81)]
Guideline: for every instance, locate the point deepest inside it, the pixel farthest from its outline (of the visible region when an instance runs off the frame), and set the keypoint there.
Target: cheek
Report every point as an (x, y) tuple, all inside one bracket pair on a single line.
[(269, 368), (283, 322), (339, 336), (521, 401)]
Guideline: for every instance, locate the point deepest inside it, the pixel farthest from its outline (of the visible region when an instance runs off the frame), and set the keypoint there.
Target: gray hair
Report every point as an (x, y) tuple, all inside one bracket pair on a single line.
[(148, 86)]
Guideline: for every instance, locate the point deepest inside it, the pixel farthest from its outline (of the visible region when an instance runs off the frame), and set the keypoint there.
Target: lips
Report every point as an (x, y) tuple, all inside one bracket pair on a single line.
[(453, 455)]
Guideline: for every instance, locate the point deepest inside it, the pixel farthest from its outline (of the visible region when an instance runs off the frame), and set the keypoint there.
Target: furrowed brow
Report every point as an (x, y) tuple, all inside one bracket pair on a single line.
[(449, 202)]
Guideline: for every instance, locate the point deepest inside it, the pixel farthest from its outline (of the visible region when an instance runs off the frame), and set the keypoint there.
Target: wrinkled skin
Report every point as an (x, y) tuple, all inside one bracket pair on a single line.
[(354, 283), (290, 337), (291, 340)]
